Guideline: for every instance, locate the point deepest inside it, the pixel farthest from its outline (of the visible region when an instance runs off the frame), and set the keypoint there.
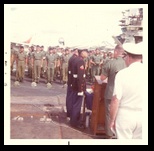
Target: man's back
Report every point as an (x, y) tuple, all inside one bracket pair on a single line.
[(129, 86), (110, 69)]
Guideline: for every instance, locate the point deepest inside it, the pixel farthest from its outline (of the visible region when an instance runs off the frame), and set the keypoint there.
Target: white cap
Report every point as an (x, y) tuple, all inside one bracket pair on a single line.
[(132, 48)]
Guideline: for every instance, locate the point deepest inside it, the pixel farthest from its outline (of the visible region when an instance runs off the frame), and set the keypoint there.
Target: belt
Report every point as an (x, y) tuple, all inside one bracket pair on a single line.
[(75, 75)]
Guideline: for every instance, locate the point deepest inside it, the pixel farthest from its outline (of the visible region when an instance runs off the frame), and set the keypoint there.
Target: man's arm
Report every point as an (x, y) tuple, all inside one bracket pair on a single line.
[(32, 59), (113, 110), (80, 73), (105, 71), (116, 98), (26, 59), (103, 77), (91, 61)]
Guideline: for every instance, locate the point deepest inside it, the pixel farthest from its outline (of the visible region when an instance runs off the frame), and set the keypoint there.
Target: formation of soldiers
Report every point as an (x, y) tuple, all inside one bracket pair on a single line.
[(52, 64)]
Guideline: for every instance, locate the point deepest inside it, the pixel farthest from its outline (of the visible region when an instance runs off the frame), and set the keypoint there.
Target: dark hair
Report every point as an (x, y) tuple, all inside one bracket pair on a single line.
[(134, 56), (21, 47), (81, 50)]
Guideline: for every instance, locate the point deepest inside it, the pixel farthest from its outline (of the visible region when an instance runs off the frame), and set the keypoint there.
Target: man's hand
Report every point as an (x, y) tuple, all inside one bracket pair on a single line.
[(80, 93), (112, 126)]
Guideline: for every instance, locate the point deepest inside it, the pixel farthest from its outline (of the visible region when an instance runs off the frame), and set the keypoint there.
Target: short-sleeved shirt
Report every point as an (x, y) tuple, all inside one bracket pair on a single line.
[(57, 56), (129, 86), (65, 58), (51, 58), (109, 70), (30, 55), (21, 56), (96, 58), (43, 54), (105, 60), (85, 60), (12, 52), (37, 55)]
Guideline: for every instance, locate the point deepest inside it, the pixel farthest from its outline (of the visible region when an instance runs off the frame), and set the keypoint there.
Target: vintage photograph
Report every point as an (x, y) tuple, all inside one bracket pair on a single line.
[(75, 74)]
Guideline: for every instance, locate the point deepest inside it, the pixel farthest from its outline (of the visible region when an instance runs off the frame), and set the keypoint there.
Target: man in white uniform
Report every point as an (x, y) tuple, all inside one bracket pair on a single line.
[(126, 103)]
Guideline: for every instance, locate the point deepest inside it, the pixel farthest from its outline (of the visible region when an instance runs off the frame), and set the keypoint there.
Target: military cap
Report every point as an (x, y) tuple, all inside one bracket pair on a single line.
[(51, 48), (80, 50), (21, 47), (132, 48)]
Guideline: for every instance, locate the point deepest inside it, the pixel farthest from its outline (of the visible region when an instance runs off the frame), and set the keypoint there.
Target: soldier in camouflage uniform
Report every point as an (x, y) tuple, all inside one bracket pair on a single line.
[(21, 62), (12, 58), (64, 63), (29, 59), (58, 68), (33, 50), (96, 61), (51, 59), (57, 63), (109, 71), (89, 70), (43, 69), (37, 63)]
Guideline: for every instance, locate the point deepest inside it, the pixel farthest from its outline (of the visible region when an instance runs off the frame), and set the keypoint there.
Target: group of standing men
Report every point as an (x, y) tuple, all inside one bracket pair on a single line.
[(40, 63), (123, 94), (53, 63)]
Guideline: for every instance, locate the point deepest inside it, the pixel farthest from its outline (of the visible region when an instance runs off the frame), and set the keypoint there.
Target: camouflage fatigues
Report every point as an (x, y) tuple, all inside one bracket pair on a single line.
[(51, 62), (96, 67), (20, 69), (37, 57)]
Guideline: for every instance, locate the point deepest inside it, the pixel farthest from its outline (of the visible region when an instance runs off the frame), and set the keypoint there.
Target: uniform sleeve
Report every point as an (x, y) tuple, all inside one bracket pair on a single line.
[(61, 58), (17, 54), (106, 69), (101, 58), (118, 86), (92, 58), (12, 51), (26, 55), (46, 57), (57, 56), (81, 71), (33, 55), (44, 54)]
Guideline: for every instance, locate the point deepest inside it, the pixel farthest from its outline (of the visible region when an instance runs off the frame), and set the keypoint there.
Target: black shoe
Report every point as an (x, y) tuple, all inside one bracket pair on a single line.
[(21, 80), (81, 126)]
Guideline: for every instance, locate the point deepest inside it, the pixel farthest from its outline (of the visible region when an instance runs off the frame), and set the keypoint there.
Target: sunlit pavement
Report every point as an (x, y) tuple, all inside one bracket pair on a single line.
[(40, 113)]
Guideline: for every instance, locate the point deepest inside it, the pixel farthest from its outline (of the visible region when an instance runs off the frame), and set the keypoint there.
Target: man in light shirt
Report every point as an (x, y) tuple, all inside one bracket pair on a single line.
[(126, 103)]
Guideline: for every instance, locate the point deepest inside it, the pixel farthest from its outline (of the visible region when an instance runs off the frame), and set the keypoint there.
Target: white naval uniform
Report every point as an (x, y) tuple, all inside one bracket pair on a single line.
[(129, 84)]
